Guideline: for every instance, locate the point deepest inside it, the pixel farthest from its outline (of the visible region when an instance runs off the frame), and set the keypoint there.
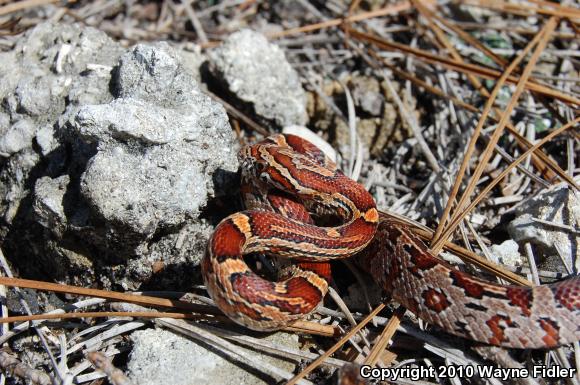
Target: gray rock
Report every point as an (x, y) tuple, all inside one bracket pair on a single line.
[(154, 73), (258, 73), (48, 202), (13, 177), (507, 253), (36, 96), (171, 260), (38, 76), (160, 187), (123, 150), (157, 144), (46, 140), (4, 123), (35, 80), (367, 95), (162, 357), (17, 137), (560, 205), (146, 124)]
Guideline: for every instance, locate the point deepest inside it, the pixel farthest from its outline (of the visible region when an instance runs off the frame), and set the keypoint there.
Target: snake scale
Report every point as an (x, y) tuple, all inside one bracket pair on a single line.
[(284, 180)]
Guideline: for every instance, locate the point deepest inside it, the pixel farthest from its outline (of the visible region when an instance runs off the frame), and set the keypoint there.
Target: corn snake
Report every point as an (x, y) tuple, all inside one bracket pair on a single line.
[(284, 179)]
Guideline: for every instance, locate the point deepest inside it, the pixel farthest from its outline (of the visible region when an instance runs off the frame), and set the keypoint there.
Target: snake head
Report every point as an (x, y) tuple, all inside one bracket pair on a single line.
[(254, 168)]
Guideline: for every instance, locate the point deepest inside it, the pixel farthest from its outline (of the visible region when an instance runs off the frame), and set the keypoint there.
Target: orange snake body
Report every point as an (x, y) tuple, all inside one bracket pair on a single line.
[(284, 178), (279, 224)]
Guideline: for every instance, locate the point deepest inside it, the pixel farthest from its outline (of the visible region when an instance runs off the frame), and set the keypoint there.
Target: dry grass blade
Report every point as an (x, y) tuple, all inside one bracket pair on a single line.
[(543, 36), (542, 162), (313, 365), (475, 136), (465, 68), (525, 10), (353, 6), (24, 4), (386, 335), (132, 298), (457, 219), (96, 314), (352, 132), (302, 326), (195, 21), (388, 10), (21, 327)]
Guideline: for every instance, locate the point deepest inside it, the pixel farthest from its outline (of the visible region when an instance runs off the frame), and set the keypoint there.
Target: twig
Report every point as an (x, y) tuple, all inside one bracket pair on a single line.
[(410, 119), (124, 297), (24, 4), (302, 326), (95, 314), (195, 21), (25, 306), (532, 262), (313, 365), (12, 365), (103, 363)]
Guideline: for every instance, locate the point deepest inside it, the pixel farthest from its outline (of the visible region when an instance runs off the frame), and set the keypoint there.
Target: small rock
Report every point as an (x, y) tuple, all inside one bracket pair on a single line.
[(48, 203), (258, 73), (46, 140), (18, 137), (162, 357), (560, 205), (35, 97), (507, 253), (154, 73), (367, 94)]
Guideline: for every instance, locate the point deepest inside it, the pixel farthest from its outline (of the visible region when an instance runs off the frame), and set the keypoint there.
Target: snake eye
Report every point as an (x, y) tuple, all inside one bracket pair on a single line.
[(260, 166)]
